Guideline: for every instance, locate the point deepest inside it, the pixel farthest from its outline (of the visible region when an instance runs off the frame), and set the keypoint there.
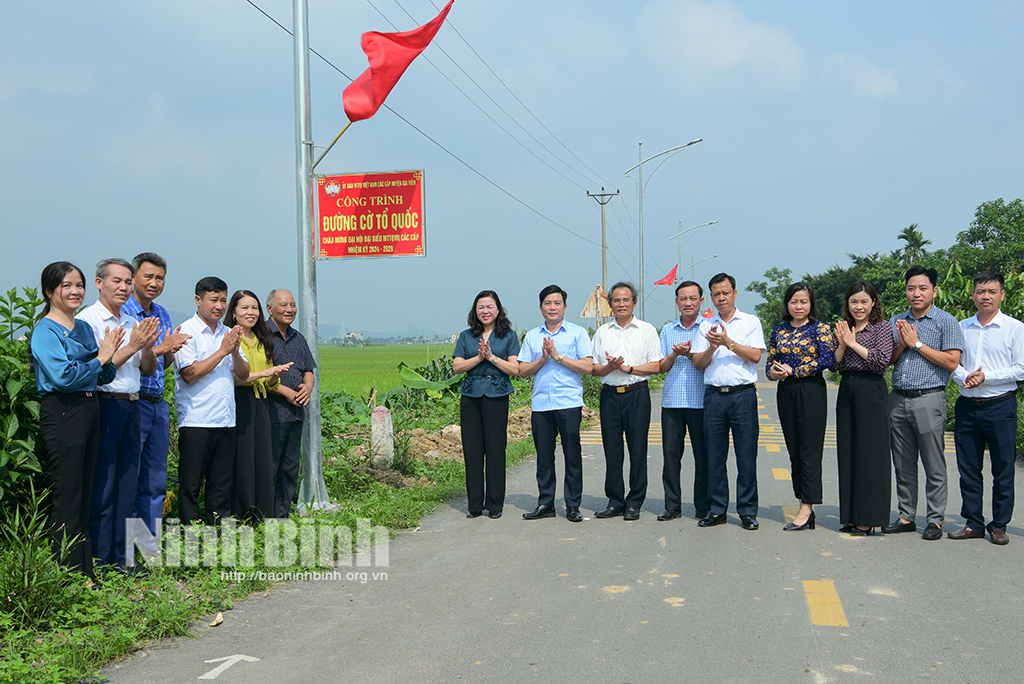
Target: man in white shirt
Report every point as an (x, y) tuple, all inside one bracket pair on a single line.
[(204, 395), (117, 465), (626, 353), (728, 349), (986, 412)]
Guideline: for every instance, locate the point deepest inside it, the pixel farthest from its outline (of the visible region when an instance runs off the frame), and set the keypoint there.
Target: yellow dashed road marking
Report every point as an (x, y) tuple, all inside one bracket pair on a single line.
[(790, 512), (773, 448), (824, 604), (782, 474)]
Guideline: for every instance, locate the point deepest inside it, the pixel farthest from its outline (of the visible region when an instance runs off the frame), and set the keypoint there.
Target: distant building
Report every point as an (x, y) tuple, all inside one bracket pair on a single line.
[(354, 337)]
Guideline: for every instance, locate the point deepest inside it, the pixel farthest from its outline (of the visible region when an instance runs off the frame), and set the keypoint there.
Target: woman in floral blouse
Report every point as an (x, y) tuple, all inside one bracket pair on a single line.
[(799, 351), (862, 412)]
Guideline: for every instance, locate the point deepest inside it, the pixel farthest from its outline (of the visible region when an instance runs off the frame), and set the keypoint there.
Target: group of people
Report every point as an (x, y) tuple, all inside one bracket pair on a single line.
[(240, 387), (711, 371)]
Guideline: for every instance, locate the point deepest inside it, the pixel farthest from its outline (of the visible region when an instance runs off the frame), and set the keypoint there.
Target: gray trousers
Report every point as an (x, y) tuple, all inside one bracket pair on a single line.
[(917, 426)]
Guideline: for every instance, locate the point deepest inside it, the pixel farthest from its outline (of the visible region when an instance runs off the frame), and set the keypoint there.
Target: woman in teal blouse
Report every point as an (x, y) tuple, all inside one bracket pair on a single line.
[(487, 353), (68, 364)]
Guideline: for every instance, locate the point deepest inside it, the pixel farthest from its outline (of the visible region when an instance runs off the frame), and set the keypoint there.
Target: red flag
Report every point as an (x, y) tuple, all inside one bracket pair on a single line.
[(390, 54), (669, 279), (708, 314)]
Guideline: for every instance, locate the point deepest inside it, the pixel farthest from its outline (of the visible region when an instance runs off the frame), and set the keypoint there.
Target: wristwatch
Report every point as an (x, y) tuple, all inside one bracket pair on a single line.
[(918, 345), (732, 345)]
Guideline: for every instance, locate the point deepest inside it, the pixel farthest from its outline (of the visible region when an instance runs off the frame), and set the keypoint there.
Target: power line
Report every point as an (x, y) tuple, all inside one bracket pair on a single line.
[(493, 101), (606, 182), (442, 147), (466, 95)]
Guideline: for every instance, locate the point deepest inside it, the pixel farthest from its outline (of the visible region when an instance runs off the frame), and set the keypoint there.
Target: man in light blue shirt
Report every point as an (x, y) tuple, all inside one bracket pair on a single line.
[(557, 353), (682, 404)]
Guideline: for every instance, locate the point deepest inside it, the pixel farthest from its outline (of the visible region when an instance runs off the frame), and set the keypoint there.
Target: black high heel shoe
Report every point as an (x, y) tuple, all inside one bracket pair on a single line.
[(857, 532), (845, 529), (809, 525)]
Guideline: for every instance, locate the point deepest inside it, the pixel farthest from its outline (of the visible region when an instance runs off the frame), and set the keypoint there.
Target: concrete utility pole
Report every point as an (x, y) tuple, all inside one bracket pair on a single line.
[(312, 490), (603, 198)]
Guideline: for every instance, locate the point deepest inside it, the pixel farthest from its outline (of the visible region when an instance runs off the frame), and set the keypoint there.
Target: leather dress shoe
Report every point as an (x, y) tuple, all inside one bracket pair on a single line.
[(609, 512), (966, 532), (474, 514), (540, 512), (494, 515), (748, 522), (999, 537), (711, 520), (701, 513), (932, 532), (671, 514), (573, 514), (631, 513), (900, 526)]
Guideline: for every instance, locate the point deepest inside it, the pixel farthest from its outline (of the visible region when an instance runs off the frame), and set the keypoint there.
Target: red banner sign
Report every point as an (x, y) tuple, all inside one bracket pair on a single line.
[(370, 214)]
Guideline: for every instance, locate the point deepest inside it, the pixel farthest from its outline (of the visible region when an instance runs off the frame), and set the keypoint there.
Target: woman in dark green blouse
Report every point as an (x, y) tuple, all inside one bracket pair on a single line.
[(487, 353)]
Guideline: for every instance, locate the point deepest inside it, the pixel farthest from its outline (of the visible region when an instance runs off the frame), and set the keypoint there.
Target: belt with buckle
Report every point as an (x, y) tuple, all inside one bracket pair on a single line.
[(123, 396), (152, 398), (622, 389), (917, 393), (988, 401), (725, 389)]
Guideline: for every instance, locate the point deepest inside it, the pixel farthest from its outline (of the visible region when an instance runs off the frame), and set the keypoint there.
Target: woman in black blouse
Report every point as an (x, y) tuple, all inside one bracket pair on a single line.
[(862, 412)]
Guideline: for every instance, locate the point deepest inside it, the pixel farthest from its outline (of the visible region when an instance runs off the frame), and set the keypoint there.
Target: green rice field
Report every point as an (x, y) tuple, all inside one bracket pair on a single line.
[(354, 369)]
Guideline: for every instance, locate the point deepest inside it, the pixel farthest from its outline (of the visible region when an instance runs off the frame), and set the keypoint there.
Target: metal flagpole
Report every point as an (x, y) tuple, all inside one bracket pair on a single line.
[(312, 490)]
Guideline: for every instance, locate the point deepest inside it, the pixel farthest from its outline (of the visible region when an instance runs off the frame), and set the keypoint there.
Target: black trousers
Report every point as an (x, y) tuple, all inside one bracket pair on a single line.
[(207, 455), (803, 412), (254, 465), (484, 422), (286, 452), (626, 414), (734, 412), (994, 425), (862, 449), (69, 425), (546, 426), (674, 424)]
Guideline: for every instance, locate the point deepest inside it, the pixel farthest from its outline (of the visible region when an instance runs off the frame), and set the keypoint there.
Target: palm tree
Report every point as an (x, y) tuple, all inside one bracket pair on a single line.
[(915, 247)]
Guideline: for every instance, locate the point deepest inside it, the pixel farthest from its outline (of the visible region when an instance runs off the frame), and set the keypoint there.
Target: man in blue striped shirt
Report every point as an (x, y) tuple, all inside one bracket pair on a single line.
[(682, 404)]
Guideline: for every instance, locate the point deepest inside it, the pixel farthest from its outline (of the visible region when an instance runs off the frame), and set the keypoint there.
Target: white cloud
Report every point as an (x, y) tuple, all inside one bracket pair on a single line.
[(701, 40), (860, 75), (66, 80)]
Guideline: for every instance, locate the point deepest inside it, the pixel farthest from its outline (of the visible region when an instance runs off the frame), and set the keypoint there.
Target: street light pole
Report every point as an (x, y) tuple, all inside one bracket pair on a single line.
[(682, 244), (640, 193), (694, 263)]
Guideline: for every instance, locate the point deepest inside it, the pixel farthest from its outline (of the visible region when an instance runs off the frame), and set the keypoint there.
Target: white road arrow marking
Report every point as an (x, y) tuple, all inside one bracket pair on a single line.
[(228, 662)]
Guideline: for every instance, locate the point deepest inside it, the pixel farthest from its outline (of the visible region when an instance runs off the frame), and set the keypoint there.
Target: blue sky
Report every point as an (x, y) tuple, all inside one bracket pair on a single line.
[(128, 127)]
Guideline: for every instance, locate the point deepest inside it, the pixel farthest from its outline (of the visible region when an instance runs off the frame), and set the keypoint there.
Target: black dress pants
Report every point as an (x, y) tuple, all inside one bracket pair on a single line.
[(286, 453), (484, 422), (70, 427), (674, 425), (207, 455), (629, 414), (546, 426), (803, 412), (254, 467)]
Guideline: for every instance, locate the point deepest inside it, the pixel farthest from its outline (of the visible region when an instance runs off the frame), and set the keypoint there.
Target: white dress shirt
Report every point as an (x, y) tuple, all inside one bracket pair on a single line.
[(637, 343), (129, 376), (210, 400), (996, 348), (728, 369)]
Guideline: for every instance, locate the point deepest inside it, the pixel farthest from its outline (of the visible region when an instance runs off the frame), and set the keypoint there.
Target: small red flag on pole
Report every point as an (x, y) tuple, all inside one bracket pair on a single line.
[(670, 278), (708, 314), (390, 54)]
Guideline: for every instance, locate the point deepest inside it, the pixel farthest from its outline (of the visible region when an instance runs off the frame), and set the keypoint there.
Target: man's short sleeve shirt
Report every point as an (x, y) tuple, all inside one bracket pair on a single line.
[(728, 368), (684, 384), (129, 376), (294, 348), (938, 330), (209, 401), (556, 387), (636, 342), (151, 384)]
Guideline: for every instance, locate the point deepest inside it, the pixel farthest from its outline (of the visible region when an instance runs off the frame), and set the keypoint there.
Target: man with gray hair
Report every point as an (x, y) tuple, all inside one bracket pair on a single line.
[(117, 464), (288, 398), (626, 353)]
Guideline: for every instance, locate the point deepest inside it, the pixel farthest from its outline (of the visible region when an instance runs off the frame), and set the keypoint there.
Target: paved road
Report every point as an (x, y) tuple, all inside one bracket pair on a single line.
[(610, 601)]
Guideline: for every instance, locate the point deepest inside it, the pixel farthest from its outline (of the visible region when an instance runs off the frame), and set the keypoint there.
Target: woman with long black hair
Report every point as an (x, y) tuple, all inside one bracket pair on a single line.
[(487, 353), (68, 365)]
